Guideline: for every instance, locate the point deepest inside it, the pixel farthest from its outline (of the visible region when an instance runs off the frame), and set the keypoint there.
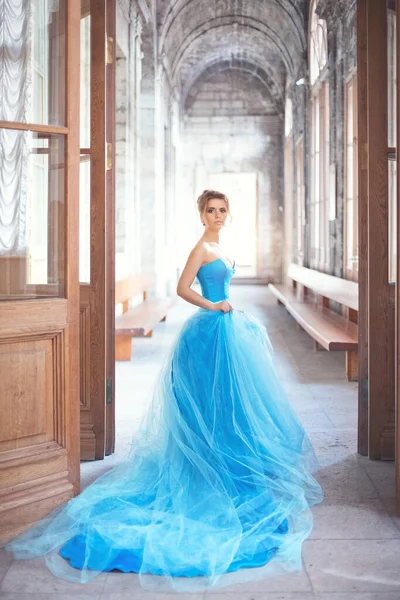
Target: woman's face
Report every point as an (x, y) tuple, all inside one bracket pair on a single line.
[(215, 214)]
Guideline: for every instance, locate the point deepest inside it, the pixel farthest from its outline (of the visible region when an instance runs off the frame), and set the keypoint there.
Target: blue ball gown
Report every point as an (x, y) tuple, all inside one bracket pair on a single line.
[(219, 475)]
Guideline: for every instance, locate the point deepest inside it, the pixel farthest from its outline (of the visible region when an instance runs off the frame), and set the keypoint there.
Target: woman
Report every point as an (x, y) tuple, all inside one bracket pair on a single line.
[(219, 475)]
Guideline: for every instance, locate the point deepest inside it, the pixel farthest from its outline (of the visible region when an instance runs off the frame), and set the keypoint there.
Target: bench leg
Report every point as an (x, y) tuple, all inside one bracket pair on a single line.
[(352, 366), (149, 334), (123, 347), (163, 319)]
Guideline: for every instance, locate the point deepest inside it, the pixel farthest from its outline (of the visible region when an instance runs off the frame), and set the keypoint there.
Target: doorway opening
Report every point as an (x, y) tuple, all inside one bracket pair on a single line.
[(240, 237)]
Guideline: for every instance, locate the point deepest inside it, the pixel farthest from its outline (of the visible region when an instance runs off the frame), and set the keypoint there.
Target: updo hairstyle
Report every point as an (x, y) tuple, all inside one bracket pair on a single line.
[(207, 195)]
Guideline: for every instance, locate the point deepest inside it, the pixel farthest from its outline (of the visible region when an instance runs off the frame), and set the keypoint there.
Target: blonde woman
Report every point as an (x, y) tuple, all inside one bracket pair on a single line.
[(219, 475)]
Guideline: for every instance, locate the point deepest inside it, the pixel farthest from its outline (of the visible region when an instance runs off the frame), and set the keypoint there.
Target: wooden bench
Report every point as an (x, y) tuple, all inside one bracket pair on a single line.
[(308, 299), (140, 320)]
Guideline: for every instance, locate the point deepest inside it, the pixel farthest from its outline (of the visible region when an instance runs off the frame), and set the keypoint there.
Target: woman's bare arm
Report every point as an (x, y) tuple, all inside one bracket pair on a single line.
[(193, 264)]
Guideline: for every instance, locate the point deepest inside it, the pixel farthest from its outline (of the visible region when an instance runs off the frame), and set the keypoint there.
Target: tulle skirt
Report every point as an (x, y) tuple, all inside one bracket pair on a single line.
[(218, 478)]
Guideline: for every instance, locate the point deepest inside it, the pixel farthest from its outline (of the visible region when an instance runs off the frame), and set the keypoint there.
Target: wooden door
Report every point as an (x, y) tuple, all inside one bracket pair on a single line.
[(397, 294), (39, 284), (109, 240), (98, 238)]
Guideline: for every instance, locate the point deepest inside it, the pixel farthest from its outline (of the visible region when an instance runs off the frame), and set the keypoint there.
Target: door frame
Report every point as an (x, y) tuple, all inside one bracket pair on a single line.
[(97, 297), (397, 293)]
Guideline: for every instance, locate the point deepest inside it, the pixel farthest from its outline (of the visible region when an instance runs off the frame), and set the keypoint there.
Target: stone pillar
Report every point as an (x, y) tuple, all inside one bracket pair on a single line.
[(135, 239), (122, 143), (147, 113), (338, 127)]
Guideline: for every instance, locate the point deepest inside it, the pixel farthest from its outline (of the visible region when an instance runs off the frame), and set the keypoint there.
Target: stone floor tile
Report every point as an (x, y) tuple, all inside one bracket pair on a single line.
[(261, 596), (357, 596), (6, 558), (284, 583), (391, 506), (382, 475), (55, 596), (3, 572), (316, 419), (360, 520), (343, 420), (353, 565), (333, 446), (346, 481), (121, 585), (144, 595), (33, 576)]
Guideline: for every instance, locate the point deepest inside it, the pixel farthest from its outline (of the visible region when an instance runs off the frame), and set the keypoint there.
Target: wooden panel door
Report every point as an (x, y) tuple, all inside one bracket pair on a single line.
[(362, 130), (109, 241), (397, 300), (97, 280), (39, 284)]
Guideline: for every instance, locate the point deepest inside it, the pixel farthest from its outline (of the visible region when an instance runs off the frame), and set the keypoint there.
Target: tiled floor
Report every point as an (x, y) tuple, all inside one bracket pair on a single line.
[(353, 552)]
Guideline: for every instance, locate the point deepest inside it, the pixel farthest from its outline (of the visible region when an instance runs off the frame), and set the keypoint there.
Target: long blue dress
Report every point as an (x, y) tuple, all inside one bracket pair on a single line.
[(219, 476)]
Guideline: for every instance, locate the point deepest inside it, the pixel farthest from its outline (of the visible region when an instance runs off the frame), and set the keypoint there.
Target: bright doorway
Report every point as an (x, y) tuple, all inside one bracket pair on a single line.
[(240, 237)]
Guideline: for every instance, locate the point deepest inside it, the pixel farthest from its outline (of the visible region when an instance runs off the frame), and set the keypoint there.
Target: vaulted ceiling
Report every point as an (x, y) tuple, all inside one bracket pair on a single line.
[(266, 38)]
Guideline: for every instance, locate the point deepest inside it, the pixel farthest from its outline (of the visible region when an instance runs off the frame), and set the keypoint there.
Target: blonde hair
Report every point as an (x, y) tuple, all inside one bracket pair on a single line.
[(207, 195)]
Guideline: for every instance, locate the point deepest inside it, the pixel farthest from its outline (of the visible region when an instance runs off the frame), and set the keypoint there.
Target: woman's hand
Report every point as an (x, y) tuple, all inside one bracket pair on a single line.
[(223, 306)]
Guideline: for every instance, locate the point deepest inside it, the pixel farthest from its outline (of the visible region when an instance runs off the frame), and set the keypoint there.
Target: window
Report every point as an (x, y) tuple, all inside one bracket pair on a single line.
[(319, 168), (288, 185), (318, 45), (320, 177), (300, 201), (240, 238), (32, 157), (351, 181), (84, 179)]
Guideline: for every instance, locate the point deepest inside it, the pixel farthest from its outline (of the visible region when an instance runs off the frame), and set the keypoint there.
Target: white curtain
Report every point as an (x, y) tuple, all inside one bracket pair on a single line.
[(15, 104)]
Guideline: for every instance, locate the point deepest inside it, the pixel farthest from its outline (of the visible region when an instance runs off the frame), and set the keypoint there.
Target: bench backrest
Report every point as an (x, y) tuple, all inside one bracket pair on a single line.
[(133, 286), (340, 290)]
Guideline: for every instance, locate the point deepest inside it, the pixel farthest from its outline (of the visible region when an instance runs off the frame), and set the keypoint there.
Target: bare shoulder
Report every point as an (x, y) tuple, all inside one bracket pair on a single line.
[(199, 252)]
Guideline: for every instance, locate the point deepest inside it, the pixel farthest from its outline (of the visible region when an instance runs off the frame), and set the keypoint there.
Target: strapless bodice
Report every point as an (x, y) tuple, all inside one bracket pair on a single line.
[(214, 279)]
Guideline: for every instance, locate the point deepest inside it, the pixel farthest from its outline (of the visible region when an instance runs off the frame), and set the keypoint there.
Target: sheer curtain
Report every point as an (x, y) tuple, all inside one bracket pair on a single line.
[(15, 105)]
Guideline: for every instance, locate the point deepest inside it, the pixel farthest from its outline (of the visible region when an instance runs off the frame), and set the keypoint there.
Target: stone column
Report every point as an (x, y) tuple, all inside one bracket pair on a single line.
[(147, 116), (123, 143)]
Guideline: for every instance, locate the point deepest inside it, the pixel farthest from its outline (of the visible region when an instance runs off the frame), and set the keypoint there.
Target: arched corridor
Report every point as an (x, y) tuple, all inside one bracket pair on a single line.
[(114, 116)]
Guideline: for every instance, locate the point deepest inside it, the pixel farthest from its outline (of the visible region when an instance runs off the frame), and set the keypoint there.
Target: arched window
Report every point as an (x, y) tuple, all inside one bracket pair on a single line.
[(320, 134), (318, 45)]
